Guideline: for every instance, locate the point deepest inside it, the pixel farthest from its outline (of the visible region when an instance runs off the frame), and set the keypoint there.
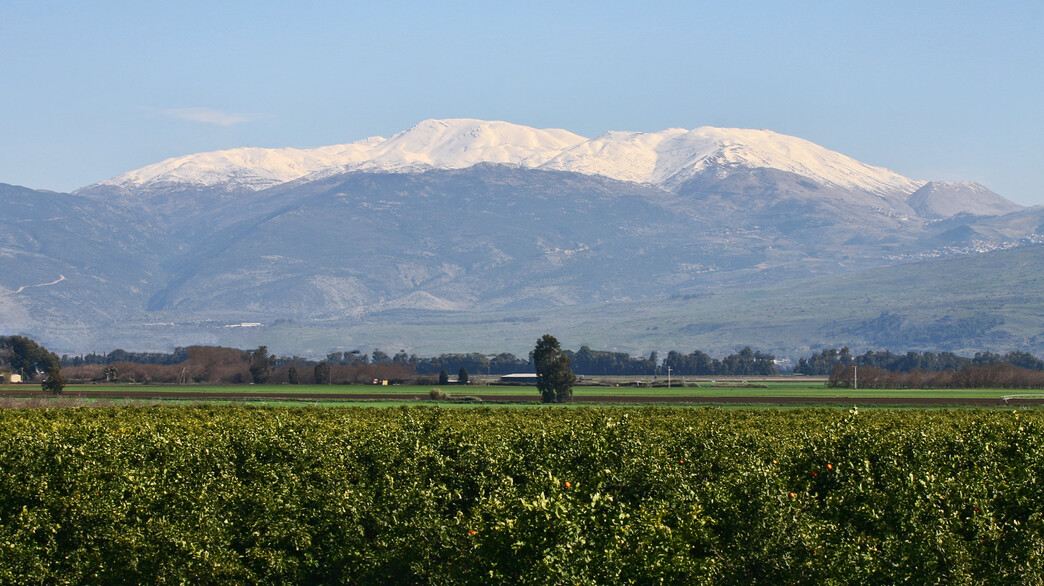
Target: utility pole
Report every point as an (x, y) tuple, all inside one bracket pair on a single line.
[(855, 377), (668, 377)]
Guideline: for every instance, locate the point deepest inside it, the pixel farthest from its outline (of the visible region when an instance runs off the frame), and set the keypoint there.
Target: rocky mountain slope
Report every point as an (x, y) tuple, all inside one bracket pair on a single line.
[(464, 216)]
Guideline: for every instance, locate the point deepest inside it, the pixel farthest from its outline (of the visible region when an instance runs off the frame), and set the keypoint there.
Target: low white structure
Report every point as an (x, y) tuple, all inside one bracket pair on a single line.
[(522, 378), (10, 377)]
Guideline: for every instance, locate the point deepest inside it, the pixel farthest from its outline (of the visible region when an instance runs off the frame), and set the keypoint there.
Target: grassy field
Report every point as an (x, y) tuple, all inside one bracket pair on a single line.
[(804, 389)]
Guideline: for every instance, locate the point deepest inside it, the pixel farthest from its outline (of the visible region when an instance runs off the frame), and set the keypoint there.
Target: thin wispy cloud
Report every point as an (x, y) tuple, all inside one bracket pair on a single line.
[(210, 116)]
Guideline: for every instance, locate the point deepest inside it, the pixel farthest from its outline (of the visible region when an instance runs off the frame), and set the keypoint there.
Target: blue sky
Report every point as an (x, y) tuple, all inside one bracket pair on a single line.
[(934, 90)]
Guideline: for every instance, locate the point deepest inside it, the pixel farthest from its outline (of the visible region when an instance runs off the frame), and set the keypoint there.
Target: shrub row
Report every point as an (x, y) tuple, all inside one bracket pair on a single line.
[(996, 376), (583, 496)]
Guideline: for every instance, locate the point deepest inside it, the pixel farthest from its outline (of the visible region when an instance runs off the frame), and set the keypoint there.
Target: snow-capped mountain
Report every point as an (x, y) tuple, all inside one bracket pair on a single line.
[(243, 168), (466, 216), (462, 143), (665, 159), (943, 199), (432, 144), (670, 157)]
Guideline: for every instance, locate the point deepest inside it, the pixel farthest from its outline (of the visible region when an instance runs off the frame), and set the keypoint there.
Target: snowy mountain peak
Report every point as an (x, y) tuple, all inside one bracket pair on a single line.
[(768, 149), (667, 158), (461, 143), (944, 199), (671, 157)]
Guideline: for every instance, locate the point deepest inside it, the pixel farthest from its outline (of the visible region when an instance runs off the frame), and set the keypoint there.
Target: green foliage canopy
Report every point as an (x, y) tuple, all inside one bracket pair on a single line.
[(554, 377), (55, 382), (24, 356), (423, 496), (260, 365)]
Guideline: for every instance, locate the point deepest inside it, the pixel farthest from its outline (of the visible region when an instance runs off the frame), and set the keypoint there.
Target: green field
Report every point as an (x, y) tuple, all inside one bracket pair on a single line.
[(771, 389), (408, 393)]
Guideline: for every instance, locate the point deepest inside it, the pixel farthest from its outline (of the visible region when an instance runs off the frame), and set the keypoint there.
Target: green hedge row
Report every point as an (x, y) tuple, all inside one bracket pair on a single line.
[(582, 496)]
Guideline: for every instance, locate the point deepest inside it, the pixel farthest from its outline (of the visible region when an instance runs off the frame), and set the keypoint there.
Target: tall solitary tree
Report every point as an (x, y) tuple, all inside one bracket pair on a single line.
[(554, 377), (462, 376), (260, 365)]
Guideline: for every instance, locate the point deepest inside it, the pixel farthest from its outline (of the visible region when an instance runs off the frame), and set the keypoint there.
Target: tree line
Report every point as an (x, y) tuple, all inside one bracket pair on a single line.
[(825, 362), (213, 364), (119, 355), (218, 365), (746, 362), (584, 361)]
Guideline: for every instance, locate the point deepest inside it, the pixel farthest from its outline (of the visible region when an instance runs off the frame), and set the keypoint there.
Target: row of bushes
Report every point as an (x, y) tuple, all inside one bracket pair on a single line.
[(993, 376), (591, 496)]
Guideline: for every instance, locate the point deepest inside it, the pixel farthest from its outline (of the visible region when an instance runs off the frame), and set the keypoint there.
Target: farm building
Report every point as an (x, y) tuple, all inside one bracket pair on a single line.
[(10, 377), (522, 378)]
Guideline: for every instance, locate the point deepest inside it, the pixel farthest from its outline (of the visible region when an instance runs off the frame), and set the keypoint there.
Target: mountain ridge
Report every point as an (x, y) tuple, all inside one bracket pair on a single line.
[(455, 217), (943, 199), (666, 158)]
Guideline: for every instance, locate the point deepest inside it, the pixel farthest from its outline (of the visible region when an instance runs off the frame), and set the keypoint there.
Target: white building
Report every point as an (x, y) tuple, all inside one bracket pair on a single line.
[(521, 378)]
